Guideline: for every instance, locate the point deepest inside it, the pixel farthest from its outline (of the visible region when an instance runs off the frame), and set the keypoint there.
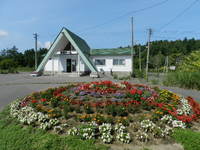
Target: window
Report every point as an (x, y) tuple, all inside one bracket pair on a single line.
[(118, 62), (101, 62)]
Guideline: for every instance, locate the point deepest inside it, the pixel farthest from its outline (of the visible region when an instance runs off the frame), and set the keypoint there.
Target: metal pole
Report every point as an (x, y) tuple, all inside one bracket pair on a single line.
[(132, 42), (36, 37)]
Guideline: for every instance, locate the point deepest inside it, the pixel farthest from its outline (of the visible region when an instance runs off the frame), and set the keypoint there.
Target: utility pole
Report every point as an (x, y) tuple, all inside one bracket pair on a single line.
[(140, 65), (36, 38), (166, 64), (132, 47), (148, 49)]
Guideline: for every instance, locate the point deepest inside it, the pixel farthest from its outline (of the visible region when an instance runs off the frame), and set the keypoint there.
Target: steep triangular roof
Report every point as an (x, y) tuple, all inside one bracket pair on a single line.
[(78, 43)]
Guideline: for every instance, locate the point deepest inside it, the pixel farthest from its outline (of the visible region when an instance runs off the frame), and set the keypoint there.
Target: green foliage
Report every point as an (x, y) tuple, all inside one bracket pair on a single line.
[(15, 137), (54, 101), (88, 109), (183, 79), (7, 64), (189, 139), (66, 110), (191, 63), (154, 81), (127, 77), (11, 58), (139, 74), (111, 110), (116, 110), (25, 69), (121, 111)]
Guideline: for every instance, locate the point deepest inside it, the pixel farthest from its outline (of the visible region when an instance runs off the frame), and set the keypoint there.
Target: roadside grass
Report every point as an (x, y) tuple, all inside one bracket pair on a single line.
[(188, 80), (25, 69), (189, 139), (17, 137), (6, 71), (16, 70)]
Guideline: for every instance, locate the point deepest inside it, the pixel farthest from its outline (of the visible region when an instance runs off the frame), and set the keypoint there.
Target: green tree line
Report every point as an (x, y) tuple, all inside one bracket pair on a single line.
[(175, 50), (11, 58)]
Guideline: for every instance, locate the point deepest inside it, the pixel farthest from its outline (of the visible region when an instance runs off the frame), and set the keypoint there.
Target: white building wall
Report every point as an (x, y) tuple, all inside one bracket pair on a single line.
[(60, 65), (52, 64), (115, 68)]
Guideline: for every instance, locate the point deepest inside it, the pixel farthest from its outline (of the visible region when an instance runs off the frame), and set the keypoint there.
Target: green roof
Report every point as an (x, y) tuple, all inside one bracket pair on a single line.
[(111, 52)]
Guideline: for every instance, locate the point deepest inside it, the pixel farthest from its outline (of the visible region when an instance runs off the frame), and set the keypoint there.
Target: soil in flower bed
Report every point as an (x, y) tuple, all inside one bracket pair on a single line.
[(109, 112)]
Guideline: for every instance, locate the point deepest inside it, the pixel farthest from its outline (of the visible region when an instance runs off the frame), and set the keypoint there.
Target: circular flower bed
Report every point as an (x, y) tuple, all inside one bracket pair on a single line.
[(108, 111)]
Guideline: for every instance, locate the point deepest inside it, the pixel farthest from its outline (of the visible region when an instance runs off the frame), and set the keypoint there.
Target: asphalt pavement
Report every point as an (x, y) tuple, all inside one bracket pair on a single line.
[(13, 86)]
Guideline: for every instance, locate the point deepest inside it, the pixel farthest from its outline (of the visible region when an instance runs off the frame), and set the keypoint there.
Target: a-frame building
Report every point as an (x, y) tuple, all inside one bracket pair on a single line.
[(68, 53)]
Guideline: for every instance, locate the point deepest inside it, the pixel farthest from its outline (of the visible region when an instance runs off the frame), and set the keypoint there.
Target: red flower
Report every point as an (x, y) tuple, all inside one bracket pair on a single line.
[(143, 98), (139, 92), (34, 101), (43, 100), (133, 91)]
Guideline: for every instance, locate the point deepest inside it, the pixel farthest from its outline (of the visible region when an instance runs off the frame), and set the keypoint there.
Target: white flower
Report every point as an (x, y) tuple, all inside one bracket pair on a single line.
[(106, 137), (73, 131), (105, 127), (178, 124), (124, 137), (167, 119), (185, 107), (120, 127), (147, 125), (58, 129), (167, 131), (142, 136)]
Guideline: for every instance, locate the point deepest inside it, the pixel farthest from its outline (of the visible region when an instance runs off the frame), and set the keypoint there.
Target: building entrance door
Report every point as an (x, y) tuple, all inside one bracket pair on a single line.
[(69, 65)]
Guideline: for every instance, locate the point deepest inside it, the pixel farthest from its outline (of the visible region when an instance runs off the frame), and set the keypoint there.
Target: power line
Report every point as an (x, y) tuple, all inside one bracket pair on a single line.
[(179, 15), (126, 14)]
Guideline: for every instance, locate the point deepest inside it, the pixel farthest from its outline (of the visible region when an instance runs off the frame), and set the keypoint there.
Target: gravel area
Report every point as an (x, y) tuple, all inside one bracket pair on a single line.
[(13, 86)]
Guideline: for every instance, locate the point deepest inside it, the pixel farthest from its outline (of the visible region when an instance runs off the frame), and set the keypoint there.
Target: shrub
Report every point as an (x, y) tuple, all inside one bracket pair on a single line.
[(139, 74), (183, 79), (7, 64)]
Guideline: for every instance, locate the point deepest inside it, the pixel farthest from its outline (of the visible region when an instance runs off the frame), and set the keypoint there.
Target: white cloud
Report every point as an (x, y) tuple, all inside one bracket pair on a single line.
[(47, 44), (3, 33)]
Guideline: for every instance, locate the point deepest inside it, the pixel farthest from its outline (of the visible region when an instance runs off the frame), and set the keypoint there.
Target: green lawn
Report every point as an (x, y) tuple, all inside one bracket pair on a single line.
[(16, 137), (189, 139)]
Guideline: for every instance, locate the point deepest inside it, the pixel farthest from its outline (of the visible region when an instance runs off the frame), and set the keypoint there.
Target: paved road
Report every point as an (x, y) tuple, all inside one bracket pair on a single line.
[(13, 86)]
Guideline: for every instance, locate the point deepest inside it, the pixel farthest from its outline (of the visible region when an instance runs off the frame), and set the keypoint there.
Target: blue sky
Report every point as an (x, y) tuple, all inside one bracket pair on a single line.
[(102, 23)]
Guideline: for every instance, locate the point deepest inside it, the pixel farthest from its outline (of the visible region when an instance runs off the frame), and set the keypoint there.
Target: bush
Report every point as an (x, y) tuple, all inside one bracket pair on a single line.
[(189, 139), (183, 79), (7, 64), (139, 74)]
